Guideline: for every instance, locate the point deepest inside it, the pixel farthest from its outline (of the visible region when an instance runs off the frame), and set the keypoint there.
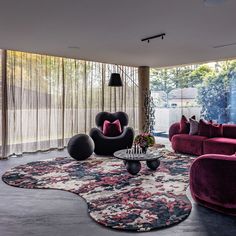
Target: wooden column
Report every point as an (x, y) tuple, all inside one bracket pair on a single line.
[(143, 79)]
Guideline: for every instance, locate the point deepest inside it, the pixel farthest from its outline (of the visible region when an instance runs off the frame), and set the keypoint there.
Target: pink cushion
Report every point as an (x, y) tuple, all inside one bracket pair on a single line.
[(229, 131), (185, 143), (184, 125), (111, 129), (226, 146)]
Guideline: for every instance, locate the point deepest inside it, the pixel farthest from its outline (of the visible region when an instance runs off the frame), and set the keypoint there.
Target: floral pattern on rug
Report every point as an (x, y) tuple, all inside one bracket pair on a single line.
[(116, 199)]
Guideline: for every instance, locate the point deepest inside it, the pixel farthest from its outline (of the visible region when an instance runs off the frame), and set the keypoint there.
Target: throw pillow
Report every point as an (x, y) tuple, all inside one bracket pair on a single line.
[(204, 128), (111, 129), (185, 125), (193, 127)]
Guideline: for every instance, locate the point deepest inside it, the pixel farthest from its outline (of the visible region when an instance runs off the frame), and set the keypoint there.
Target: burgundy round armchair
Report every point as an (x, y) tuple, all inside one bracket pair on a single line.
[(105, 145), (213, 182)]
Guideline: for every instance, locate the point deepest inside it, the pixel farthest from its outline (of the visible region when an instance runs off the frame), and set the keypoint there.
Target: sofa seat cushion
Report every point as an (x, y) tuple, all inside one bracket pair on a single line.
[(220, 145), (190, 144)]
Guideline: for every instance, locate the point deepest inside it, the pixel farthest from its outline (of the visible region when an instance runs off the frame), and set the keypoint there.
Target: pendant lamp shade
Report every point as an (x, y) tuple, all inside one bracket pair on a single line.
[(115, 80)]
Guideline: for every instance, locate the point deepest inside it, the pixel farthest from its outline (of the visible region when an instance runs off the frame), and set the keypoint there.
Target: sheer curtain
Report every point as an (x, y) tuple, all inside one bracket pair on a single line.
[(51, 99), (1, 153)]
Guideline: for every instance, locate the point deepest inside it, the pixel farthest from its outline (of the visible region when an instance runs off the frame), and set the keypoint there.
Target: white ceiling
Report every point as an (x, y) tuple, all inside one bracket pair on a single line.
[(111, 31)]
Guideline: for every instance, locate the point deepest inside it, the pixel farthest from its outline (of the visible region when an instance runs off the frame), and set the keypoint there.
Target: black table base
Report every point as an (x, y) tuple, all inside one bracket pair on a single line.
[(153, 164), (133, 167), (132, 160)]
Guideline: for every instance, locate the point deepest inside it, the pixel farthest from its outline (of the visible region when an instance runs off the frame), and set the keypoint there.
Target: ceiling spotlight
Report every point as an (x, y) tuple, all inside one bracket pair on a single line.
[(210, 3)]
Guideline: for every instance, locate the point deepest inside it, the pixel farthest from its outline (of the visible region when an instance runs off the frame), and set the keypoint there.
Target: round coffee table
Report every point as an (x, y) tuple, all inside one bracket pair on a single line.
[(132, 161)]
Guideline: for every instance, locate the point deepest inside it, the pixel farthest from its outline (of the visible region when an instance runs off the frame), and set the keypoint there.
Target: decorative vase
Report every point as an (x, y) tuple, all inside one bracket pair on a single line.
[(144, 149)]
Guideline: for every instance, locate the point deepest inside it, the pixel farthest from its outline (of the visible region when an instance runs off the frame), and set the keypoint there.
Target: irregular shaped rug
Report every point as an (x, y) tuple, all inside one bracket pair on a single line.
[(116, 199)]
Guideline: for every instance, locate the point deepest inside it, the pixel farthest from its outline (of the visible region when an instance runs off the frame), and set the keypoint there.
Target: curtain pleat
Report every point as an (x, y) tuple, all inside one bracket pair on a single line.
[(46, 100), (3, 105)]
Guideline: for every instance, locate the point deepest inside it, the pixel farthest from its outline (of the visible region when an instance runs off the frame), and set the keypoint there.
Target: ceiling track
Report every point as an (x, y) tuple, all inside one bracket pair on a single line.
[(224, 45)]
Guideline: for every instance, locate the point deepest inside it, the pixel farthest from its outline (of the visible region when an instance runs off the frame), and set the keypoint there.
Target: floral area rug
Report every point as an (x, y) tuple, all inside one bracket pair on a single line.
[(115, 198)]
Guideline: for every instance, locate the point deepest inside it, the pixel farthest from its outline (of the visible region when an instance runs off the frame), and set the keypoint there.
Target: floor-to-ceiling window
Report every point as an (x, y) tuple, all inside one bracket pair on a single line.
[(50, 99), (205, 90)]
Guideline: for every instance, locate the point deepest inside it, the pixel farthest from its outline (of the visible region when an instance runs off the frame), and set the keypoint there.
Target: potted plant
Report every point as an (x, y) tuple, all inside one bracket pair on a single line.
[(144, 140)]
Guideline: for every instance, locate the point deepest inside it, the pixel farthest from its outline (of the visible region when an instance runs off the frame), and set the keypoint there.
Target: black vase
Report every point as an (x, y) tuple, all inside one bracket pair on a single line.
[(144, 149)]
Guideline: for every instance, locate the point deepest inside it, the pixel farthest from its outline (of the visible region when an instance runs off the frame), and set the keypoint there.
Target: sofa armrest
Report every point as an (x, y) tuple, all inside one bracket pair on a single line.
[(174, 129), (212, 182)]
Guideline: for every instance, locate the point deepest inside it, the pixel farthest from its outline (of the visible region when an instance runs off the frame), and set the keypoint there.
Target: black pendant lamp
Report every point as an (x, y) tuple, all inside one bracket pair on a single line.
[(115, 80)]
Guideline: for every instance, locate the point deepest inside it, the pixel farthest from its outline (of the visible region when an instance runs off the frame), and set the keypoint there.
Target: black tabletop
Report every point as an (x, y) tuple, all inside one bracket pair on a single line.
[(148, 156)]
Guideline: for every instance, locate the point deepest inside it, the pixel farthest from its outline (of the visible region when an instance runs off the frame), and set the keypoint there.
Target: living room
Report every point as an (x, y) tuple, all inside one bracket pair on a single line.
[(117, 117)]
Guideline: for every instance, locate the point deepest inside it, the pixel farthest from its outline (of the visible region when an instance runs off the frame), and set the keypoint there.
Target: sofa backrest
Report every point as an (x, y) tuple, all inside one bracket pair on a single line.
[(229, 131)]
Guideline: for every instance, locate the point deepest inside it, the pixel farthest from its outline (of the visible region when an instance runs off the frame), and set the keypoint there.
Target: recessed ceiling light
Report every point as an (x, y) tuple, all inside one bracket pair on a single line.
[(74, 47), (210, 3)]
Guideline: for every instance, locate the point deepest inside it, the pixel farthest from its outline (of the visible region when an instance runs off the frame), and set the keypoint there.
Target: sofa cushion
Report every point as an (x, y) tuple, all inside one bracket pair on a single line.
[(184, 125), (229, 131), (112, 129), (193, 126), (221, 145), (204, 128), (216, 130), (185, 143)]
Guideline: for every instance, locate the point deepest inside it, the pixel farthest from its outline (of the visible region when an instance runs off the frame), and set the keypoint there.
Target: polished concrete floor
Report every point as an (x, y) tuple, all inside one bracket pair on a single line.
[(31, 212)]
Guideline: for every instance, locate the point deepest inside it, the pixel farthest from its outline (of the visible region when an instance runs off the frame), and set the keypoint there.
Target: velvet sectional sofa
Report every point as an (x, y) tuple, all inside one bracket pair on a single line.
[(213, 173), (224, 143)]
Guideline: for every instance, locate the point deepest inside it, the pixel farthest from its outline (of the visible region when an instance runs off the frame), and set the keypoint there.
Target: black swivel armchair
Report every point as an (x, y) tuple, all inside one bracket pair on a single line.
[(105, 145)]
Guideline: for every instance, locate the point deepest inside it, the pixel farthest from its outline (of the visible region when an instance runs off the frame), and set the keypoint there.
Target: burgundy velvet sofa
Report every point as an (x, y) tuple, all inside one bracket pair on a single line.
[(212, 182), (199, 145)]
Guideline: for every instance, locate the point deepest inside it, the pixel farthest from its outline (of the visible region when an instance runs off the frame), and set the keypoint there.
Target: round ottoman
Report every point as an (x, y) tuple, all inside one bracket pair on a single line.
[(80, 147)]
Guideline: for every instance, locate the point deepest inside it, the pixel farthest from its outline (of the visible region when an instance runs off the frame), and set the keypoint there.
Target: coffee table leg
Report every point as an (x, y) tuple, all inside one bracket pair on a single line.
[(153, 164), (133, 167)]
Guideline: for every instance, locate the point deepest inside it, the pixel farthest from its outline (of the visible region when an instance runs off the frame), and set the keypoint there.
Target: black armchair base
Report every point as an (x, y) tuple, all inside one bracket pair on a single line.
[(108, 145)]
